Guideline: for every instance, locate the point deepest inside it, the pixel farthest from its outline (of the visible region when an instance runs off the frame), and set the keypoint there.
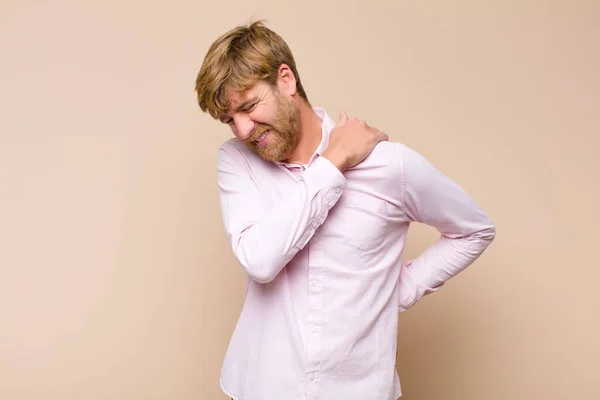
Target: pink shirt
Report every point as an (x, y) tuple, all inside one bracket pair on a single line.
[(322, 251)]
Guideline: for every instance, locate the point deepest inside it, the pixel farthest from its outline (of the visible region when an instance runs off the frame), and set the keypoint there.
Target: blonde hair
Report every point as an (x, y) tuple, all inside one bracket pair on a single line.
[(238, 60)]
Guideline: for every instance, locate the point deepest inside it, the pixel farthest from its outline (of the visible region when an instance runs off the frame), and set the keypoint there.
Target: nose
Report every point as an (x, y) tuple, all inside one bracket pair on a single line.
[(242, 126)]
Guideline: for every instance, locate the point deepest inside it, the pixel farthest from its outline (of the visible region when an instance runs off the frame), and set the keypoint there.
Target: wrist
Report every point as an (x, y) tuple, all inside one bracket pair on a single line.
[(338, 161)]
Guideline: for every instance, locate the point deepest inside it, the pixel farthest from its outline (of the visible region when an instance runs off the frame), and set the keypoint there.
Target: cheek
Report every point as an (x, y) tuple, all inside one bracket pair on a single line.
[(264, 116)]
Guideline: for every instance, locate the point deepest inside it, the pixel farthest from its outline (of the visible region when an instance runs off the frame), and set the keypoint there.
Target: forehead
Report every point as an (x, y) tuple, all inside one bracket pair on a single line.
[(236, 97)]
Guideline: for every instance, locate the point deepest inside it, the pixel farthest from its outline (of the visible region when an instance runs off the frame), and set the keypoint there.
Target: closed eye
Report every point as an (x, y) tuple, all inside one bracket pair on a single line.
[(249, 108), (226, 120)]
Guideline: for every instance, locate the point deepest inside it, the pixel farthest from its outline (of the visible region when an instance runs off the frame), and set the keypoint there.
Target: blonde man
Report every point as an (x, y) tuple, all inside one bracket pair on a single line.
[(317, 213)]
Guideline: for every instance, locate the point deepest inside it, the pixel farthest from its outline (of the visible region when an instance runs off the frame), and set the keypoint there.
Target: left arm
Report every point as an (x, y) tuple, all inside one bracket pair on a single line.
[(466, 231)]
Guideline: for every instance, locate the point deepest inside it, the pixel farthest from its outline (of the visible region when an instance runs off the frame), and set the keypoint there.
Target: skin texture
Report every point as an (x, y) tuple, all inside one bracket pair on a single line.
[(293, 129), (263, 109)]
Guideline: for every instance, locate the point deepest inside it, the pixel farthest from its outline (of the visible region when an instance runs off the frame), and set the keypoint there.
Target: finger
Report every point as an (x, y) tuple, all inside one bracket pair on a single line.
[(374, 130), (380, 135), (343, 118), (363, 122)]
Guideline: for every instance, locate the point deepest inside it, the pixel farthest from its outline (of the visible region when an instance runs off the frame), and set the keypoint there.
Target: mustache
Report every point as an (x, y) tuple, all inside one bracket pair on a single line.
[(258, 131)]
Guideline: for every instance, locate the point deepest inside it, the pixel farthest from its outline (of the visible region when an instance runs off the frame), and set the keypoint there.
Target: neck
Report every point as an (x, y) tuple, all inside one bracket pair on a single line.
[(309, 135)]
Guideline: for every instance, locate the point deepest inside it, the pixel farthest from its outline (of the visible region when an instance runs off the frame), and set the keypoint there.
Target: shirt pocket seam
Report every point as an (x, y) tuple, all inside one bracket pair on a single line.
[(363, 209)]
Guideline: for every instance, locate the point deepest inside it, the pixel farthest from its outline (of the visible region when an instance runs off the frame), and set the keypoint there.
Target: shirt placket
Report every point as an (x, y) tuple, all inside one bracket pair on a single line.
[(315, 320), (315, 317)]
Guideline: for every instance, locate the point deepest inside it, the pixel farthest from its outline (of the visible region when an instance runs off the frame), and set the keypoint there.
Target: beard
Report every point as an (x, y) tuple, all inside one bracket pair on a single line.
[(283, 134)]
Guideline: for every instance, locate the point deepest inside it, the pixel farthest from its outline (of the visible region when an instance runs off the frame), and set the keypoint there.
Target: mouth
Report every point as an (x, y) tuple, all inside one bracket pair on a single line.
[(260, 141)]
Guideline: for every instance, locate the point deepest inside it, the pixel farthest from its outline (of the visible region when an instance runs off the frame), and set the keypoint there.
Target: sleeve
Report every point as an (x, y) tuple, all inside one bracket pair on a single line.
[(466, 231), (265, 237)]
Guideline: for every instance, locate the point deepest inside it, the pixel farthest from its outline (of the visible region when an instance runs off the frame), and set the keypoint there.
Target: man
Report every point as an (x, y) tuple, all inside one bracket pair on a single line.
[(317, 214)]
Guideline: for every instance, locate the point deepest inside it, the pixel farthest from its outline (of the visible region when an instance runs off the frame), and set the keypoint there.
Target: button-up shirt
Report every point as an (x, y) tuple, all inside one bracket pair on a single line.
[(322, 251)]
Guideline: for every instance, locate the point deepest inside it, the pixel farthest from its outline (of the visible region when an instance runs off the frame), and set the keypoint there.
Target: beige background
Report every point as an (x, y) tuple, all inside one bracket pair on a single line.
[(116, 280)]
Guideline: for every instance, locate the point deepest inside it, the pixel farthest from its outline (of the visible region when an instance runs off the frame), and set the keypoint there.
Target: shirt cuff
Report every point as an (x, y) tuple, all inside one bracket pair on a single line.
[(410, 290), (323, 176)]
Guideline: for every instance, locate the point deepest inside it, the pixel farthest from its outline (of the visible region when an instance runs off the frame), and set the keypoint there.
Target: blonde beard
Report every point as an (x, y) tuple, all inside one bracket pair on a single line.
[(284, 133)]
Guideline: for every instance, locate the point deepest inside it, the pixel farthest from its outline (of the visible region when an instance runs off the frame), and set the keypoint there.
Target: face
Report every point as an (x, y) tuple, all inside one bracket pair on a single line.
[(265, 120)]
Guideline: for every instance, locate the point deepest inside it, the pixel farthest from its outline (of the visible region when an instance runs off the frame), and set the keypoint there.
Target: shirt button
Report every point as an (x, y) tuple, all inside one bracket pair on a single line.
[(314, 284), (338, 189), (314, 329), (312, 377)]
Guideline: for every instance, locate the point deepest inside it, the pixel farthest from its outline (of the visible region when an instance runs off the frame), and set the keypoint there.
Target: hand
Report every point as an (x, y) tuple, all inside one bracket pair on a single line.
[(351, 141)]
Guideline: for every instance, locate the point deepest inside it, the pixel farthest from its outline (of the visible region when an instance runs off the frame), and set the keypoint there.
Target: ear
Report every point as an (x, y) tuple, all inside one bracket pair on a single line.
[(286, 81)]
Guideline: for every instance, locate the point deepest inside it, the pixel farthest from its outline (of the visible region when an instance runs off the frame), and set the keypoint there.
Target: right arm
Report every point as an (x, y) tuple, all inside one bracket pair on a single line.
[(264, 238)]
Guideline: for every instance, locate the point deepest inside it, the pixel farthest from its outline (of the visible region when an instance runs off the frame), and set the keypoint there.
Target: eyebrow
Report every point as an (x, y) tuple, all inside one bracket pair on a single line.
[(246, 103), (243, 104)]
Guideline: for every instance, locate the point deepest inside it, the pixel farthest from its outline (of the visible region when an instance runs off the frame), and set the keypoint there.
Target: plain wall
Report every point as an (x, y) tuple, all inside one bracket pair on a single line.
[(116, 279)]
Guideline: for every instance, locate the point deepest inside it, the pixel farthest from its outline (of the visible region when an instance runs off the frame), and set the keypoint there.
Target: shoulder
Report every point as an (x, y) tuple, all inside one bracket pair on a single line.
[(232, 146), (388, 149), (235, 149), (386, 154), (234, 156), (393, 160), (396, 154)]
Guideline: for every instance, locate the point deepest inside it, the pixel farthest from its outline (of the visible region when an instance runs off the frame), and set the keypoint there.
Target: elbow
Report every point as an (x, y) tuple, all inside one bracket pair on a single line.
[(260, 275), (258, 264), (489, 233), (257, 268), (479, 240), (484, 238)]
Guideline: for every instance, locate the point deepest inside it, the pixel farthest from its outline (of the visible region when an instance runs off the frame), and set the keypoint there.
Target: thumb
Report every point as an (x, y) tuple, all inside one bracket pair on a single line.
[(343, 118)]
